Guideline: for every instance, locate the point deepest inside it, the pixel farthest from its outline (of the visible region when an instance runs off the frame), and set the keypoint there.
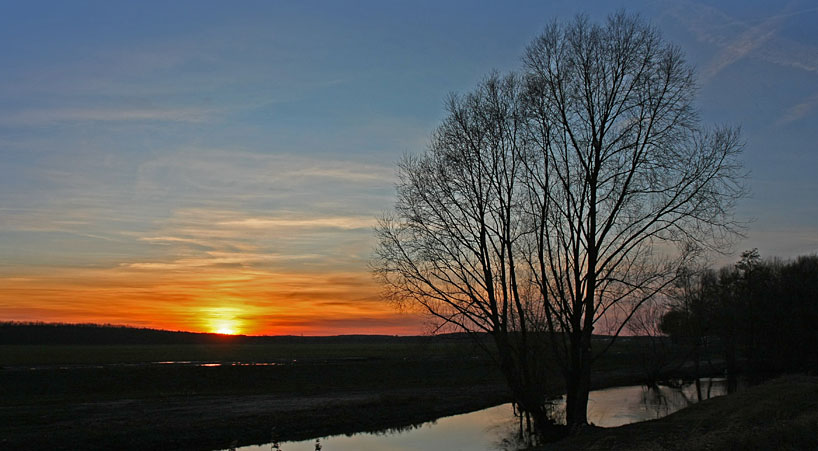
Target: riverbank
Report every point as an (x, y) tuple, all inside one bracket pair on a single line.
[(779, 414)]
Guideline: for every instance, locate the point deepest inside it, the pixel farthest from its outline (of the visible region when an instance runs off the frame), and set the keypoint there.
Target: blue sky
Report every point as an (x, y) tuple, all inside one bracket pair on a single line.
[(149, 147)]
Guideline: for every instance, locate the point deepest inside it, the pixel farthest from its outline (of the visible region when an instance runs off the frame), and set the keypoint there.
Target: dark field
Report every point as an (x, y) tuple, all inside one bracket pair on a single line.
[(102, 354), (85, 373), (218, 395), (69, 397)]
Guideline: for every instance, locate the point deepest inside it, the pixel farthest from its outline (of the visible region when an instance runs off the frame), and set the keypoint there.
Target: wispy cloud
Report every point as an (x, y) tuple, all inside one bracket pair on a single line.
[(345, 171), (742, 45), (210, 237), (175, 239), (194, 196), (46, 116), (738, 39), (210, 258), (337, 222), (238, 170), (798, 110), (181, 78)]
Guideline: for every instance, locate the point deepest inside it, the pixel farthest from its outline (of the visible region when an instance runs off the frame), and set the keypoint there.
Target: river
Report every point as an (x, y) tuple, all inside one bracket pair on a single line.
[(496, 428)]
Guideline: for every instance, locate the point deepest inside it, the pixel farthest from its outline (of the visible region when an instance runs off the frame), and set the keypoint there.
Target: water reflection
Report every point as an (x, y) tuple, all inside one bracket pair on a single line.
[(485, 430), (617, 406), (497, 428), (213, 364)]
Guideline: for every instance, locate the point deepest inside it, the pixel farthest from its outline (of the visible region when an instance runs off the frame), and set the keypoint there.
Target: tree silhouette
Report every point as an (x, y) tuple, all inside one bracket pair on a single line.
[(562, 199)]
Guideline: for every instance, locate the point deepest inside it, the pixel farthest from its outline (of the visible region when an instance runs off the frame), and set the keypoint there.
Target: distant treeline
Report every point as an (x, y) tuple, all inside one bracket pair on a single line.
[(764, 312), (37, 333)]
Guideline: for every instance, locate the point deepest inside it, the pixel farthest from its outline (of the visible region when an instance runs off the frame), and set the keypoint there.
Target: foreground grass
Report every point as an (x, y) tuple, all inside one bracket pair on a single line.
[(779, 415)]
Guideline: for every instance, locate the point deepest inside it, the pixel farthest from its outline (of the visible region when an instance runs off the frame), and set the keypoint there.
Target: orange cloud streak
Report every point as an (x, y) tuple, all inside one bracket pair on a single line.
[(207, 299)]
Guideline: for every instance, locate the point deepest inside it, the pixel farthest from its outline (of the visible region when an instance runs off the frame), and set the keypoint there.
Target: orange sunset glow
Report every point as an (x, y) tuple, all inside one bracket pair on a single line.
[(236, 302)]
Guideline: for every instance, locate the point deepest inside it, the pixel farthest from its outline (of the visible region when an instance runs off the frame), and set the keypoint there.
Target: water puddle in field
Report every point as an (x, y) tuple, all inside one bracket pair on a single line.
[(215, 364), (143, 364), (497, 428)]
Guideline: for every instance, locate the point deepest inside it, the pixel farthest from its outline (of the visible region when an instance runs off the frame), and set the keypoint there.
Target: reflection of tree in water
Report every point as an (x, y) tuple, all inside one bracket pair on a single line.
[(675, 395), (518, 434), (660, 400), (398, 429), (523, 433), (276, 446)]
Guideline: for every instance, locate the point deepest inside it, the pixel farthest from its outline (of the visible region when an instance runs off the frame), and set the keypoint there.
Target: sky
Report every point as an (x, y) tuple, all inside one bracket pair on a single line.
[(212, 166)]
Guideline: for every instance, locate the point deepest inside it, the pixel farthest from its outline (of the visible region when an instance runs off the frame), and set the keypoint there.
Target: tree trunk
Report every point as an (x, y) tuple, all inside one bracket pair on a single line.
[(578, 385), (732, 366), (526, 389), (697, 374)]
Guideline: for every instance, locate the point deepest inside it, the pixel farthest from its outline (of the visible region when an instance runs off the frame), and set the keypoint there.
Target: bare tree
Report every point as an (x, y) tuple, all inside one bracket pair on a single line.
[(562, 200), (452, 245), (626, 187)]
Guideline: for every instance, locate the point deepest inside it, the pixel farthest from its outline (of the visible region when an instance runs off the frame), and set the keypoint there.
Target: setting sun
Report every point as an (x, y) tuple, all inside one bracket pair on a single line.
[(226, 327)]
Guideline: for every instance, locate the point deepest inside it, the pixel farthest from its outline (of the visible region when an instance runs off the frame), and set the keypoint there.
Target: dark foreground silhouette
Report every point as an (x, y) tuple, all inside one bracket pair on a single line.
[(210, 396), (780, 414)]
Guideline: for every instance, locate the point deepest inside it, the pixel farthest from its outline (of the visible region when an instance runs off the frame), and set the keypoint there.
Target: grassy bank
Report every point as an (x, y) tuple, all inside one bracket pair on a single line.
[(779, 415)]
